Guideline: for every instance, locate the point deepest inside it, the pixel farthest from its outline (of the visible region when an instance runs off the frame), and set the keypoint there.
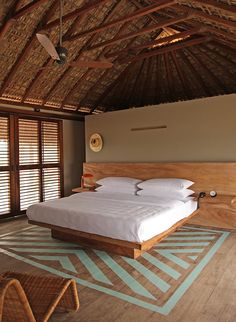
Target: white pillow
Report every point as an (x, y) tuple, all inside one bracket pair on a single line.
[(166, 193), (118, 181), (113, 189), (171, 183)]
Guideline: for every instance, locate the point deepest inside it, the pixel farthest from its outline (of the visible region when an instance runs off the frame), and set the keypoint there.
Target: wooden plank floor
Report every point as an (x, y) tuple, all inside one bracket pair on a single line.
[(210, 298)]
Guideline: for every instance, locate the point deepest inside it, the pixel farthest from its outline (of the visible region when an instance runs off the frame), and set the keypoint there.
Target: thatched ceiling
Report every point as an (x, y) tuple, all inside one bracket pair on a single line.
[(163, 51)]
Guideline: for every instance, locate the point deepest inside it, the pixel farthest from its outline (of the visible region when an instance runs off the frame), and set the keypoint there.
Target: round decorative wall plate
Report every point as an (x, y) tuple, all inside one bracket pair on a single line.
[(95, 142)]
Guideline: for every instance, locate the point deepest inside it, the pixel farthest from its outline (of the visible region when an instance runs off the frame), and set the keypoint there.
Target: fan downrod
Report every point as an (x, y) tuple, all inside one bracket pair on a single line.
[(62, 53)]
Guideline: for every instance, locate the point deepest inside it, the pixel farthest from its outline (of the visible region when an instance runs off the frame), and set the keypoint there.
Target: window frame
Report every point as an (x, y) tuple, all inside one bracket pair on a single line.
[(15, 167)]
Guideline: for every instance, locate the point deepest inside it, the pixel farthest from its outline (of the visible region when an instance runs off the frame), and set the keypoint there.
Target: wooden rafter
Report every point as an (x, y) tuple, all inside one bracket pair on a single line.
[(169, 82), (218, 32), (92, 38), (159, 41), (179, 45), (137, 14), (216, 80), (28, 8), (163, 23), (74, 14), (132, 90), (110, 87), (195, 13), (217, 5), (106, 72), (181, 76), (8, 20), (223, 57), (139, 6), (48, 63), (159, 75), (34, 106), (194, 72), (27, 48), (205, 52), (146, 81), (226, 42)]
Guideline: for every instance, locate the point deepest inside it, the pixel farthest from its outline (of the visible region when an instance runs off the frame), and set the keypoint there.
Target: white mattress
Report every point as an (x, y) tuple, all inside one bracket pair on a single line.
[(120, 216)]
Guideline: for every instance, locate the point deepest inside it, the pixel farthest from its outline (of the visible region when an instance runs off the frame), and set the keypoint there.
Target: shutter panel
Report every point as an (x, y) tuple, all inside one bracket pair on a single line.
[(4, 141), (50, 143), (51, 183), (4, 167), (4, 192), (28, 159), (29, 187), (28, 142), (51, 157)]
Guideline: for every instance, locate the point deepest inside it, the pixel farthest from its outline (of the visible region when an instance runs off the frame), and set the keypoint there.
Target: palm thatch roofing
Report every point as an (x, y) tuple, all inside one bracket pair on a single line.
[(163, 51)]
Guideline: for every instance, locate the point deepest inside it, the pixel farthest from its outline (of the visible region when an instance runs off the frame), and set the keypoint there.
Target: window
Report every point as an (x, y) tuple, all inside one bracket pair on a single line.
[(31, 167)]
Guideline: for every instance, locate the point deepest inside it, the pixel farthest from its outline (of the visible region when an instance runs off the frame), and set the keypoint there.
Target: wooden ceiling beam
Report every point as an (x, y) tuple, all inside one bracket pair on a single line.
[(160, 41), (8, 20), (144, 92), (161, 24), (133, 90), (222, 56), (107, 71), (26, 50), (21, 111), (181, 76), (179, 45), (92, 38), (195, 13), (221, 33), (80, 11), (169, 78), (217, 5), (216, 80), (229, 72), (28, 8), (138, 5), (122, 75), (157, 81), (195, 72), (135, 15), (225, 42), (44, 70), (35, 106)]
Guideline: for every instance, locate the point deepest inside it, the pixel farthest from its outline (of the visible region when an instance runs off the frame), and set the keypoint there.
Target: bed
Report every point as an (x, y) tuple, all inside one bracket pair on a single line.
[(124, 224), (134, 241)]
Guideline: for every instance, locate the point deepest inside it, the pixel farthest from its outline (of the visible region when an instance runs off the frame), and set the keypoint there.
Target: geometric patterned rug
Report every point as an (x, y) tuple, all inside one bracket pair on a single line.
[(156, 281)]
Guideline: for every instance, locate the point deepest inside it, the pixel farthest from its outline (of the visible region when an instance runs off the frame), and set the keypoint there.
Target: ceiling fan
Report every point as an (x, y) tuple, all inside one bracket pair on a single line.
[(59, 54)]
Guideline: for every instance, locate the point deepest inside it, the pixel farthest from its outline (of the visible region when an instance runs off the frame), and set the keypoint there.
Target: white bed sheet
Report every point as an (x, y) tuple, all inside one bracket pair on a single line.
[(127, 217)]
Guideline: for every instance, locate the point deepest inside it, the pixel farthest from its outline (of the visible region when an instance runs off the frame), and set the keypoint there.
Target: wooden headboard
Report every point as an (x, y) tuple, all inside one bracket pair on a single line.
[(220, 176)]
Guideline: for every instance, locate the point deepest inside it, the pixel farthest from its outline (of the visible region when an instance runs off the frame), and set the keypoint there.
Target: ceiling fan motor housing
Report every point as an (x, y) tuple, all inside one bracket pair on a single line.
[(62, 53)]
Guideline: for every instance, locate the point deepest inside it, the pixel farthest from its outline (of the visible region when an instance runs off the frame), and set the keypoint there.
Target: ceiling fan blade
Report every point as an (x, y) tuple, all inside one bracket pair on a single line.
[(92, 64), (48, 45)]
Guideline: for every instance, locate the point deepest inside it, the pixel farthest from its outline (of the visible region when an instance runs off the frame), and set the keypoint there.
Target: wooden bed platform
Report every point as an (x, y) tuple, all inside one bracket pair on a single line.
[(220, 176), (116, 246)]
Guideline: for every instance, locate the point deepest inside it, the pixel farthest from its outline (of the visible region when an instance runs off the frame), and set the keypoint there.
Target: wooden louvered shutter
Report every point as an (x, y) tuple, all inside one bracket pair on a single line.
[(29, 162), (5, 200), (51, 160)]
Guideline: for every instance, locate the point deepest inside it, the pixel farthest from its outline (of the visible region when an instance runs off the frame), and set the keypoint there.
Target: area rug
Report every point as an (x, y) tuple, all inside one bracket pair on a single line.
[(156, 281)]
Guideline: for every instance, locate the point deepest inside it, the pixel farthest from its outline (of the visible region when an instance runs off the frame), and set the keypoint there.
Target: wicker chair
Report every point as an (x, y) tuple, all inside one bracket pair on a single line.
[(44, 295), (13, 302)]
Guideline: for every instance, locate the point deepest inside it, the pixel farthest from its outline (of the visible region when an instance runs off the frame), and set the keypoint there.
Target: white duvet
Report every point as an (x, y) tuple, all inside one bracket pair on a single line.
[(120, 216)]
